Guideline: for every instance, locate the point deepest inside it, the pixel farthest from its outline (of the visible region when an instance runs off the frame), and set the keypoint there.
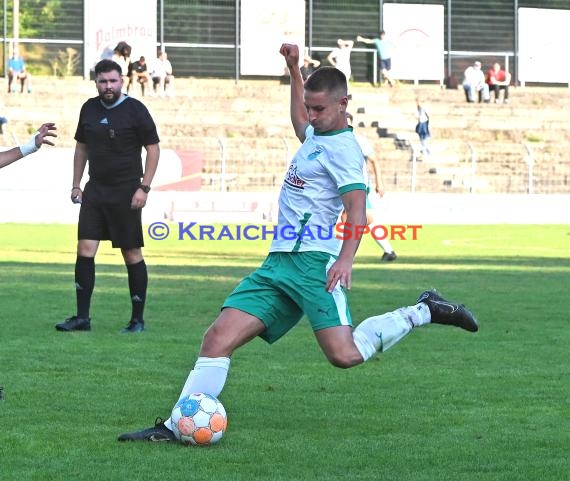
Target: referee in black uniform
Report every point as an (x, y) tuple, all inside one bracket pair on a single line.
[(111, 132)]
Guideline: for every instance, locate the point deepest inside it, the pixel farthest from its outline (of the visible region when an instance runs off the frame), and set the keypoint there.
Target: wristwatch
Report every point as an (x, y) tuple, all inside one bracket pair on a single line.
[(145, 188)]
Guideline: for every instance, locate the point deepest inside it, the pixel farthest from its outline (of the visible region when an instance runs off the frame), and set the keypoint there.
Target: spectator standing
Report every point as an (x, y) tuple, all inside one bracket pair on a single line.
[(474, 83), (422, 125), (340, 57), (17, 72), (162, 75), (384, 47), (111, 132), (499, 79)]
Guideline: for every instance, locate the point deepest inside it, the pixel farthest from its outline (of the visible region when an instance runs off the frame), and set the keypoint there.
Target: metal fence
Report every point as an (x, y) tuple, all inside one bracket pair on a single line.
[(202, 37), (259, 165)]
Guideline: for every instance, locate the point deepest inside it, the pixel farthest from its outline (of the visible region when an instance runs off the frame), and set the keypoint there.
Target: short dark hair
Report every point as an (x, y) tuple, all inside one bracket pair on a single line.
[(107, 65), (327, 79)]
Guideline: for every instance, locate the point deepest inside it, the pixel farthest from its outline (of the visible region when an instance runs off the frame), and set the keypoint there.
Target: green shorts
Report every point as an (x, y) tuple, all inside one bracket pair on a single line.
[(288, 285)]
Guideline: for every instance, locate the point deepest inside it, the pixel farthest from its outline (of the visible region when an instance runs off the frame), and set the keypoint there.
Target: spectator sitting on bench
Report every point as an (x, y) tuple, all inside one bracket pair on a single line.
[(474, 82), (17, 71), (497, 80), (162, 78), (140, 73)]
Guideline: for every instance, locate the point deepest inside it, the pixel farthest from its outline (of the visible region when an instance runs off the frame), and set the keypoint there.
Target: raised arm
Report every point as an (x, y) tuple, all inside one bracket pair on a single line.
[(298, 111), (359, 38)]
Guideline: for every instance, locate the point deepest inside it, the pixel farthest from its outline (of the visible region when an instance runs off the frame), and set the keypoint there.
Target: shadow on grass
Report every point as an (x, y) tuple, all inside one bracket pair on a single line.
[(497, 261), (204, 263)]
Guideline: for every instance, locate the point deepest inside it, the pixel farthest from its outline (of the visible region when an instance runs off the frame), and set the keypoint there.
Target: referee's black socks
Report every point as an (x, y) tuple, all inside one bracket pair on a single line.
[(138, 281), (84, 284)]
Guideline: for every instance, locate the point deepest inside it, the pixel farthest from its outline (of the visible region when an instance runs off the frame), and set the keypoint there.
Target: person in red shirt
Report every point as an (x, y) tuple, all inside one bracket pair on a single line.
[(499, 79)]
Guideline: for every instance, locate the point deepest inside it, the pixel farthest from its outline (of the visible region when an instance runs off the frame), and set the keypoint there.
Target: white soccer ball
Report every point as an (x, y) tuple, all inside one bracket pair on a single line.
[(199, 419)]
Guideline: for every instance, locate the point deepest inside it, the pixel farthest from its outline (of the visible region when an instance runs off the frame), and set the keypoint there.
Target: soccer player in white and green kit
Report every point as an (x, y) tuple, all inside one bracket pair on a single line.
[(308, 274)]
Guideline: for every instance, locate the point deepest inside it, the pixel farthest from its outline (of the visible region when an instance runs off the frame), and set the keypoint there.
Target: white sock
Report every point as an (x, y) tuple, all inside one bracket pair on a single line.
[(380, 333), (385, 245), (208, 376)]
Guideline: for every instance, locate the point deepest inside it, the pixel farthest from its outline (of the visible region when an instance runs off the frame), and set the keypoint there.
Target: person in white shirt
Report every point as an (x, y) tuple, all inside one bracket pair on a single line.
[(474, 83), (307, 271), (422, 125), (122, 56), (340, 57), (162, 76)]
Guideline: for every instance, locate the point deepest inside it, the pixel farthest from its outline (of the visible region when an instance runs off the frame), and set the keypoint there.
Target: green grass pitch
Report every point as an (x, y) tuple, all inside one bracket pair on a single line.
[(443, 404)]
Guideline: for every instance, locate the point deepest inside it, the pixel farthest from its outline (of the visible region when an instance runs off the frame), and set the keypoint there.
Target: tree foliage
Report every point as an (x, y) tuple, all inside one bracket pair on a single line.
[(38, 18)]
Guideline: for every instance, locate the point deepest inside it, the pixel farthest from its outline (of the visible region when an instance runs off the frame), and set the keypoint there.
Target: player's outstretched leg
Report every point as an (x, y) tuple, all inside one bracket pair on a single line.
[(158, 433), (379, 333), (449, 313)]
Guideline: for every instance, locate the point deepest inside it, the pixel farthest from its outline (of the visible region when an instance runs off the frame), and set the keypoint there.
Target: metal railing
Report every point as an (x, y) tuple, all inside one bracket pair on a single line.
[(227, 167)]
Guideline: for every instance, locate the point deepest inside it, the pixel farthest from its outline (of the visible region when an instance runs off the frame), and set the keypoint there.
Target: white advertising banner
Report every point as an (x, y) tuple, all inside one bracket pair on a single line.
[(544, 45), (417, 35), (264, 27), (109, 22)]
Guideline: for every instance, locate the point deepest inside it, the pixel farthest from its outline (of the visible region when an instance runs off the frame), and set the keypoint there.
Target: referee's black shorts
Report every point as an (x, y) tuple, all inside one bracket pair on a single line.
[(106, 214)]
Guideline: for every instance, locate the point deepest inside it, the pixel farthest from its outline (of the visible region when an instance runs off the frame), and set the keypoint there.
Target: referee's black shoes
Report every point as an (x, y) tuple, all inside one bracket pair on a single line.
[(75, 323), (134, 326)]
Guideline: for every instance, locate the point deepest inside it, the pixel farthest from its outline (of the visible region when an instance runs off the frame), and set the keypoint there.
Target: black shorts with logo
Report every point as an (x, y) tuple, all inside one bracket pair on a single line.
[(106, 214)]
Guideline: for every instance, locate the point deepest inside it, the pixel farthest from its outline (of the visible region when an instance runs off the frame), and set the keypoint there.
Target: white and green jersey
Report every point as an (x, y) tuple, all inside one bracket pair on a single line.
[(324, 168)]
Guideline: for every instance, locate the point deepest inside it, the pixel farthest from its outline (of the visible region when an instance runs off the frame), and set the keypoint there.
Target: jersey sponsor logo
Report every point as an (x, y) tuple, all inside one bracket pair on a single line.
[(292, 179), (104, 121)]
